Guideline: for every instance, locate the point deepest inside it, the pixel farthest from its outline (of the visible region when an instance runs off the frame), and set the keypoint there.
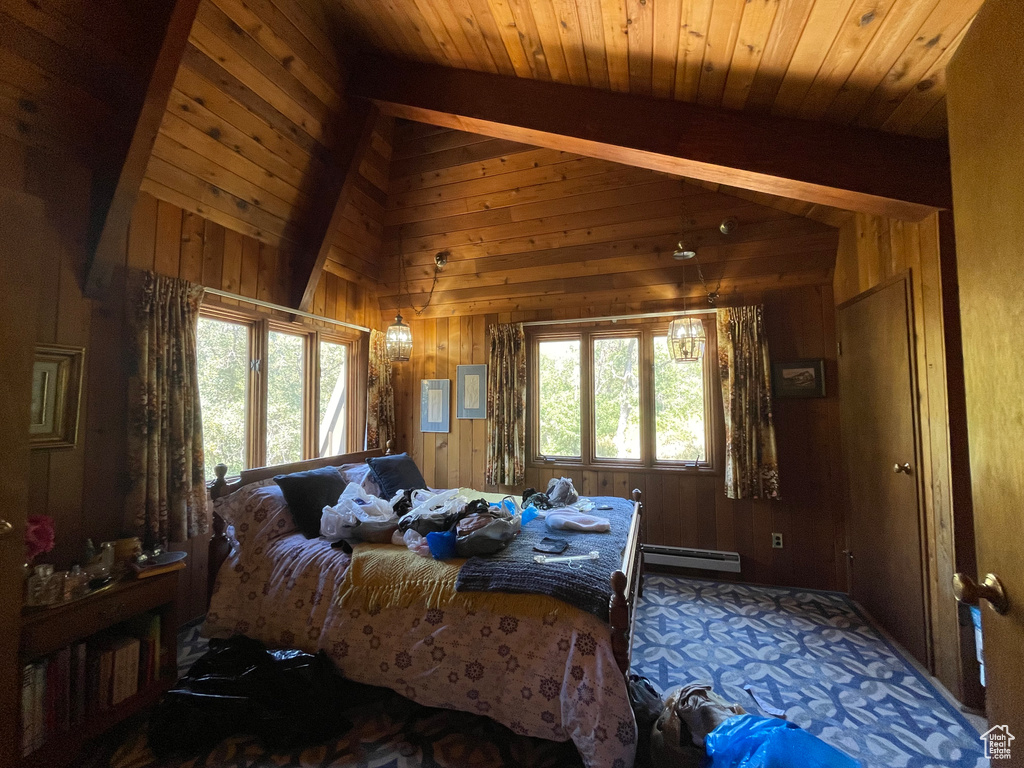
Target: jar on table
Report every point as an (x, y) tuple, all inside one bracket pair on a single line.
[(36, 586)]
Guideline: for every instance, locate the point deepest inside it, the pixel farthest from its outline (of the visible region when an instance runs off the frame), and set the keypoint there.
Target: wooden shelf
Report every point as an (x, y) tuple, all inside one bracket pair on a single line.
[(63, 748), (46, 630)]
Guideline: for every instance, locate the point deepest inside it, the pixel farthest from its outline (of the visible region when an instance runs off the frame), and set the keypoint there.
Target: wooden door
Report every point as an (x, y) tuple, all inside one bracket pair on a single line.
[(986, 134), (22, 233), (877, 409)]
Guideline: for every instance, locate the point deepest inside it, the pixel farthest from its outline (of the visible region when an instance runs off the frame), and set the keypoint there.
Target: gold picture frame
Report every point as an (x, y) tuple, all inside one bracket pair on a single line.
[(56, 394)]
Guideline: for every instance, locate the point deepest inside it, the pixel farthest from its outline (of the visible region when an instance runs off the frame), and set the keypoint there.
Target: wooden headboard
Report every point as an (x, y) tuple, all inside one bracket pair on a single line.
[(220, 545)]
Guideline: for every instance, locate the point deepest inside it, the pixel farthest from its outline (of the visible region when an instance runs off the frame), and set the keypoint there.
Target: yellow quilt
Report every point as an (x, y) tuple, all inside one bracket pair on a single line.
[(388, 576)]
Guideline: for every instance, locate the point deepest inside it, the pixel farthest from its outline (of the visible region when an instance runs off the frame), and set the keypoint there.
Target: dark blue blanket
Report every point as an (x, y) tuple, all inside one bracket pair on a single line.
[(585, 584)]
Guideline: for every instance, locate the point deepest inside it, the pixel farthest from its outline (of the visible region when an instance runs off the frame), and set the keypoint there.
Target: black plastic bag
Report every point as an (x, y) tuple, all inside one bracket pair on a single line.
[(289, 699), (647, 704)]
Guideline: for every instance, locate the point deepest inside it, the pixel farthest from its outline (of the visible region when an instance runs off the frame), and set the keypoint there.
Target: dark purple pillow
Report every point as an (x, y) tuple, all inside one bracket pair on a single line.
[(396, 473), (307, 493)]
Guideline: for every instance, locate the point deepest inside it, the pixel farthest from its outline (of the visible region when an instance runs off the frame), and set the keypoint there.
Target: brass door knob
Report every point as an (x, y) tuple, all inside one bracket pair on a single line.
[(904, 468), (5, 527), (967, 591)]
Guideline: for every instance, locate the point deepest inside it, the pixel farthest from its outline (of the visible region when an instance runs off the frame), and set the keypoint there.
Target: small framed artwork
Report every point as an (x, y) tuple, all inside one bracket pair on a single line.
[(800, 378), (435, 403), (471, 392), (56, 392)]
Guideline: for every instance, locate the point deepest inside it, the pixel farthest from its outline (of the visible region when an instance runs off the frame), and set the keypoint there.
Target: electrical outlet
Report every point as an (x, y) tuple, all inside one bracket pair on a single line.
[(776, 541)]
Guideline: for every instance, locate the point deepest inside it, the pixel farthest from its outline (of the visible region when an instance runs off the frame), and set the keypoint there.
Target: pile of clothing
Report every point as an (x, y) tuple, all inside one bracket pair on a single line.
[(435, 524), (562, 508)]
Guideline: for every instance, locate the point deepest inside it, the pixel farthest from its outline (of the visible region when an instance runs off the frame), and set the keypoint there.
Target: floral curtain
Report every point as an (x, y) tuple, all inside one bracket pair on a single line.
[(166, 496), (751, 467), (380, 397), (506, 405)]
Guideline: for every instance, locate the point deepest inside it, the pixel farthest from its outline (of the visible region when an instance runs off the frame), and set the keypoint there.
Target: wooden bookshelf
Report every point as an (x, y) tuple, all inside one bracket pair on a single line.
[(46, 630)]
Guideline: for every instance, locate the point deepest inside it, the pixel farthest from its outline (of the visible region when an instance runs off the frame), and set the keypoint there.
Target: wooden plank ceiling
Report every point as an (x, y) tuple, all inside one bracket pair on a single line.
[(527, 228), (250, 124), (872, 63)]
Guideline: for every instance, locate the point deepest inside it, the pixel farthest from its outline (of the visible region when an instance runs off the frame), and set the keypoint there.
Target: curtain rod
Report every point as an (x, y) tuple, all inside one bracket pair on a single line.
[(614, 318), (289, 310)]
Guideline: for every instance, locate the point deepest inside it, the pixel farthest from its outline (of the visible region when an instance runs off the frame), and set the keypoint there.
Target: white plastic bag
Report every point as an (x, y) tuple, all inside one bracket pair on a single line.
[(358, 516)]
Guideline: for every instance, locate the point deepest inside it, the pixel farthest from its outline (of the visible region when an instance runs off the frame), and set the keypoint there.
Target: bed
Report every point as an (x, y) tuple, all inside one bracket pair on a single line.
[(553, 671)]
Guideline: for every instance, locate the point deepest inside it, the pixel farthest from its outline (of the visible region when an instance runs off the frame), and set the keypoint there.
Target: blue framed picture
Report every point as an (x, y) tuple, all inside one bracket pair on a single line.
[(471, 392), (435, 398)]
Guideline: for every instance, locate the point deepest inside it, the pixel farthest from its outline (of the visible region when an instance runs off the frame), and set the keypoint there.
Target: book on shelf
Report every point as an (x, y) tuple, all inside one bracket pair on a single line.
[(79, 691), (125, 675), (63, 690)]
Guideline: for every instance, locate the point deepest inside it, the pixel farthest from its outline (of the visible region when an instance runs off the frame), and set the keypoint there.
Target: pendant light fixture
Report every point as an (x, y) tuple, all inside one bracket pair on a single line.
[(398, 339), (686, 339), (686, 334)]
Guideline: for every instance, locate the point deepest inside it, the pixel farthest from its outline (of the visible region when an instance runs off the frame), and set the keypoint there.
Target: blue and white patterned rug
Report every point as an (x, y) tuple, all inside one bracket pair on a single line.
[(811, 654)]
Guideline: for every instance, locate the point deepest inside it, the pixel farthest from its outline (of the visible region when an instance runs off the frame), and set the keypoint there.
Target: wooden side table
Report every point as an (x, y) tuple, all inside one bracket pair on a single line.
[(46, 630)]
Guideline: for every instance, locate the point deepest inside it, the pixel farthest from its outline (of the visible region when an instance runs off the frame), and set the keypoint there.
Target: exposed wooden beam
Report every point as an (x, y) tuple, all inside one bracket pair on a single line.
[(123, 165), (840, 166), (354, 139)]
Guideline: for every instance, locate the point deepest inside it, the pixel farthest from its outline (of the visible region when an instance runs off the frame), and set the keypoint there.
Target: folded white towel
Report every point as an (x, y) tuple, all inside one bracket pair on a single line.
[(571, 520)]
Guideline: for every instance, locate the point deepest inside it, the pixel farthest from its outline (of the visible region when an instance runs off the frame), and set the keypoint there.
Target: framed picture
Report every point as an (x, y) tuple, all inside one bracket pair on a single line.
[(800, 378), (435, 404), (471, 392), (56, 392)]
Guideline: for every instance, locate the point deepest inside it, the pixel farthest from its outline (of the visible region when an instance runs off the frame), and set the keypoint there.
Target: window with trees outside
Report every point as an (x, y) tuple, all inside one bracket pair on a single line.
[(272, 392), (616, 396)]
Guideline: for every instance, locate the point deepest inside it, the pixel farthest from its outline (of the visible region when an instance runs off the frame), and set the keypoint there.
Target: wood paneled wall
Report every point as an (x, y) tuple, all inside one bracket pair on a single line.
[(82, 488), (871, 64), (682, 508), (252, 121), (871, 250), (527, 229), (251, 117)]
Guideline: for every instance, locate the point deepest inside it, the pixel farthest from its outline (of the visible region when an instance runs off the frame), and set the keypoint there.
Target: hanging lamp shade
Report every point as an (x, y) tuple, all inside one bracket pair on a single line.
[(686, 339), (398, 340)]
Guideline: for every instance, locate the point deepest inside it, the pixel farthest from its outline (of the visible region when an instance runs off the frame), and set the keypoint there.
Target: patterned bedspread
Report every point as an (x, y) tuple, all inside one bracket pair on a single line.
[(553, 678)]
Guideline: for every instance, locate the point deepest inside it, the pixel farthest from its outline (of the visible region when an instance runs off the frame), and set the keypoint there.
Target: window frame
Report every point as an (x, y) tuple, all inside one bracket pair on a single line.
[(259, 326), (645, 332)]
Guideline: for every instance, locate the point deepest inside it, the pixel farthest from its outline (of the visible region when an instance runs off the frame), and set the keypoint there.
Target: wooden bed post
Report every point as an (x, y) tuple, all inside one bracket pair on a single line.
[(626, 585), (219, 546)]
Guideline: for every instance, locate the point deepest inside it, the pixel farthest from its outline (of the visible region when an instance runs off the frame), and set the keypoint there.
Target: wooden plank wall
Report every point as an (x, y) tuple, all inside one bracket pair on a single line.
[(83, 488), (251, 122), (879, 65), (251, 117), (683, 509), (65, 70), (528, 229), (871, 250)]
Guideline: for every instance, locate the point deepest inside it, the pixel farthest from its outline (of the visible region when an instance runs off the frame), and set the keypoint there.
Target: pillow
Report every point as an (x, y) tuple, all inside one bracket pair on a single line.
[(361, 475), (257, 510), (396, 473), (307, 493)]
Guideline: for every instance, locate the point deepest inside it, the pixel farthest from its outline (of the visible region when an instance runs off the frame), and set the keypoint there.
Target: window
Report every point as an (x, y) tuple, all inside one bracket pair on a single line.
[(679, 410), (222, 350), (616, 378), (285, 381), (333, 411), (558, 366), (271, 392), (608, 397)]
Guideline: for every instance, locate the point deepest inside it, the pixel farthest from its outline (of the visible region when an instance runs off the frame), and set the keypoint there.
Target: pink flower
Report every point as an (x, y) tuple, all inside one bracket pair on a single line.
[(39, 536)]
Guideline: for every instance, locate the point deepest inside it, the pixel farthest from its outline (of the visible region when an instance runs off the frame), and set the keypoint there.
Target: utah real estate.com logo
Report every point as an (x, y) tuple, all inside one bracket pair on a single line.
[(997, 742)]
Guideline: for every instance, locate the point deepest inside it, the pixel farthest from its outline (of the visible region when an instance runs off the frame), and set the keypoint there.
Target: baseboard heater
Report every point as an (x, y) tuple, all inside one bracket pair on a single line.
[(702, 559)]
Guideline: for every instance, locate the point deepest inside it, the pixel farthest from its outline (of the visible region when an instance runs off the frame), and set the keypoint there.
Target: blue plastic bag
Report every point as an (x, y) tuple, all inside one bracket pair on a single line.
[(752, 741), (442, 544), (529, 514)]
